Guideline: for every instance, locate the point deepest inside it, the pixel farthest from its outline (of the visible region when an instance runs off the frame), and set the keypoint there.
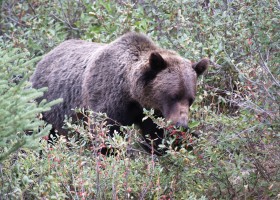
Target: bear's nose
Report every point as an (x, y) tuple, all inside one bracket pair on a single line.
[(184, 126)]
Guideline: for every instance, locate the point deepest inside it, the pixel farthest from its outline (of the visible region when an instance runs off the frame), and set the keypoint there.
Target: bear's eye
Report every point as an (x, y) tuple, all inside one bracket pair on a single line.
[(176, 97)]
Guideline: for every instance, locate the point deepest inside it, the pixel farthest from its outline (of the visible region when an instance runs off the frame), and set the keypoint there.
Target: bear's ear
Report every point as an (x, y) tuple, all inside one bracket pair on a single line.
[(201, 66), (157, 63)]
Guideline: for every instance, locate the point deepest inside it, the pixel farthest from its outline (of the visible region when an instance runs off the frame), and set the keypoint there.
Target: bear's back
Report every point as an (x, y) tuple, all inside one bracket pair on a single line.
[(63, 57), (61, 70)]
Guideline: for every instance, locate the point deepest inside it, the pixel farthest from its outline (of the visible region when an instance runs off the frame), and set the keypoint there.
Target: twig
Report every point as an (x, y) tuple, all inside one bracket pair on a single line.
[(263, 64), (30, 5), (61, 20), (17, 22), (217, 66)]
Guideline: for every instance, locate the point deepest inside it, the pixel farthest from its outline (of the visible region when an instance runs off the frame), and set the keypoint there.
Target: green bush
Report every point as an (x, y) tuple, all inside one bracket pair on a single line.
[(17, 107), (236, 112), (75, 169)]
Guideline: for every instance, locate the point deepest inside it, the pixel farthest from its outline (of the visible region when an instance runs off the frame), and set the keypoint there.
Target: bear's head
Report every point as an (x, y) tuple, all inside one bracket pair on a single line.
[(167, 83)]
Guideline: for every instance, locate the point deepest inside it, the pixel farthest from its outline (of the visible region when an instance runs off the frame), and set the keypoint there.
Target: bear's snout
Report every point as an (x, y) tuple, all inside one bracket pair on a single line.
[(182, 122), (179, 115), (183, 125)]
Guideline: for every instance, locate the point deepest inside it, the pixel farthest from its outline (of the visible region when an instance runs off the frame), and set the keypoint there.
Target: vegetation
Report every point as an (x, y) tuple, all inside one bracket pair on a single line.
[(17, 107), (236, 112)]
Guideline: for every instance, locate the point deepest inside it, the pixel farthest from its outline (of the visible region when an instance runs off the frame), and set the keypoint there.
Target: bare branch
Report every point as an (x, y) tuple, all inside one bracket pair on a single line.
[(263, 64), (64, 22)]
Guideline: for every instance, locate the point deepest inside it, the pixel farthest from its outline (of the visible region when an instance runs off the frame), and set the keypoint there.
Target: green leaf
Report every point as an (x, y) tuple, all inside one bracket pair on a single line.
[(193, 124)]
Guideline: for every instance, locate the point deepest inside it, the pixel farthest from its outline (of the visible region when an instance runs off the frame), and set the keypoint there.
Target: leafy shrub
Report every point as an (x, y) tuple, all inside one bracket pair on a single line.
[(17, 107), (77, 170)]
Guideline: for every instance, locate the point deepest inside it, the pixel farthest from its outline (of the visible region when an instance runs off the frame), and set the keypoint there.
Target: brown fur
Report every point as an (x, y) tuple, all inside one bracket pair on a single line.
[(120, 79)]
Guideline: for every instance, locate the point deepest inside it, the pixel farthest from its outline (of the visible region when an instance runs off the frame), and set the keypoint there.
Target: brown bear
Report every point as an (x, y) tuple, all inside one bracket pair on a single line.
[(120, 79)]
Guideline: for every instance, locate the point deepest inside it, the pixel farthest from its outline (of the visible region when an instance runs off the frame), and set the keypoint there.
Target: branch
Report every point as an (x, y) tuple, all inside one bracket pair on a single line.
[(263, 64), (64, 22)]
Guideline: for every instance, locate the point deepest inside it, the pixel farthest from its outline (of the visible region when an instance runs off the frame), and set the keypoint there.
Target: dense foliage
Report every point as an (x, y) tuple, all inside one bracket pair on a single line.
[(236, 112), (17, 107)]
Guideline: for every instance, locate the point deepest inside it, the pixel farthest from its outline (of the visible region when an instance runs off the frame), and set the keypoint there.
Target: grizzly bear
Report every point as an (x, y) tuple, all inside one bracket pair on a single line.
[(119, 79)]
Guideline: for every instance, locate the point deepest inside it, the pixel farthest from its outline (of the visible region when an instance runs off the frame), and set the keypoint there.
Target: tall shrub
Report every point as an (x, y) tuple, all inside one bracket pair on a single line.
[(19, 112)]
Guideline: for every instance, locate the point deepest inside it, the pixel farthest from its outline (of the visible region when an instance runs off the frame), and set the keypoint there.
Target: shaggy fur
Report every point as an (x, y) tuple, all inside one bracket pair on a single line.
[(120, 79)]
